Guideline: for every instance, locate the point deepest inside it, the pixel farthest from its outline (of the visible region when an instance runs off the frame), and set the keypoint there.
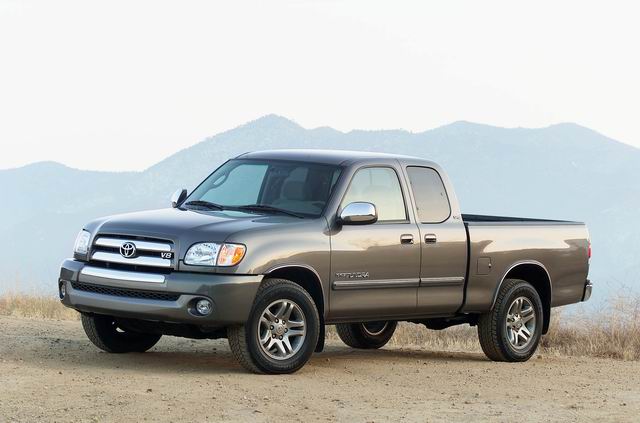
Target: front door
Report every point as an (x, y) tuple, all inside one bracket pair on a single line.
[(375, 268)]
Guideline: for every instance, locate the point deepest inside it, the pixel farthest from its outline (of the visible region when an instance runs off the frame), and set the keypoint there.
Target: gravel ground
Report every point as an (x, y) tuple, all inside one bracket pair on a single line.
[(50, 372)]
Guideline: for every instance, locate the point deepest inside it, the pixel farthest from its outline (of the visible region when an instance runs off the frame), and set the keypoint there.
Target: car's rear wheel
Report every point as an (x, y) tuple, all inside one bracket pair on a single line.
[(105, 333), (367, 335), (512, 330), (281, 332)]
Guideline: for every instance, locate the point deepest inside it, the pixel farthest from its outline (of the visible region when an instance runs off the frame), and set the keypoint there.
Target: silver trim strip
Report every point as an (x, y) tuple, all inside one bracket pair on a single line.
[(443, 281), (140, 245), (382, 283), (137, 261), (121, 275), (520, 263)]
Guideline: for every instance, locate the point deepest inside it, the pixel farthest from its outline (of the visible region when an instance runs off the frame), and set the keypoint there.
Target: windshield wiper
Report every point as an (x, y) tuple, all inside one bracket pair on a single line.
[(266, 208), (205, 204)]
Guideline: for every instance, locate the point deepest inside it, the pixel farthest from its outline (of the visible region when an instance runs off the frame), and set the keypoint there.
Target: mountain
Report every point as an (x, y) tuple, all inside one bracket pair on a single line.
[(563, 171)]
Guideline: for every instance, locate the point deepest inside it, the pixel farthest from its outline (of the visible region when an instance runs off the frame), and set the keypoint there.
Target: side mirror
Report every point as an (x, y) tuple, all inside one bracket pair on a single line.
[(358, 213), (178, 197)]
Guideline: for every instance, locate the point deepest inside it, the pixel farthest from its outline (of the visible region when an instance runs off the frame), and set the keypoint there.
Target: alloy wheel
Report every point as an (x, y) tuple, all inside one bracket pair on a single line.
[(281, 329)]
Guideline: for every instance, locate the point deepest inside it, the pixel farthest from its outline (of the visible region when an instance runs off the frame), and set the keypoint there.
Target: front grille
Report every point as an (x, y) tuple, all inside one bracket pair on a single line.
[(124, 292), (150, 254)]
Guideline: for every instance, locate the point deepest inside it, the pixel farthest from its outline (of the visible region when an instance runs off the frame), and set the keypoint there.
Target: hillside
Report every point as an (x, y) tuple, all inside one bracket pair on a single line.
[(563, 171)]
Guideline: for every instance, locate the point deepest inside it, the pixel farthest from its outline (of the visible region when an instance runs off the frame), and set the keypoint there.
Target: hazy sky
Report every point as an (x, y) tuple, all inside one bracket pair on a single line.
[(120, 85)]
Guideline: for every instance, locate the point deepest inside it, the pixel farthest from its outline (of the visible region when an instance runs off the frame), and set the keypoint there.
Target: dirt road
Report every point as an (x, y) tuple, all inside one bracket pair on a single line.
[(50, 372)]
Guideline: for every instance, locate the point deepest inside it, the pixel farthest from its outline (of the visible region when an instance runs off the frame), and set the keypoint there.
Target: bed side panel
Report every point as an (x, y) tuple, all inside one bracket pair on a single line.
[(561, 248)]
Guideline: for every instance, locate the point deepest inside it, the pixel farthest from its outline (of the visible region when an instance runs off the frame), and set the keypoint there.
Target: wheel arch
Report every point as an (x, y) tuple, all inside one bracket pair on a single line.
[(538, 276), (306, 277)]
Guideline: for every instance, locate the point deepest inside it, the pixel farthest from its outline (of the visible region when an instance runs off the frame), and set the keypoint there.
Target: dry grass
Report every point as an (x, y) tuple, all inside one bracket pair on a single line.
[(35, 306), (612, 331), (457, 338)]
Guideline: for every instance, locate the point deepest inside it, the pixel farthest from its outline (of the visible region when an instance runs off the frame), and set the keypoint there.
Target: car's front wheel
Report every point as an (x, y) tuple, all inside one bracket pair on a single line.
[(281, 332), (105, 333)]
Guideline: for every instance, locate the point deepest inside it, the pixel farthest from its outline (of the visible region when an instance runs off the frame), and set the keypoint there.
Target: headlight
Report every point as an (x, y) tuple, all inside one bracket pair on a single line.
[(203, 254), (82, 242), (212, 254)]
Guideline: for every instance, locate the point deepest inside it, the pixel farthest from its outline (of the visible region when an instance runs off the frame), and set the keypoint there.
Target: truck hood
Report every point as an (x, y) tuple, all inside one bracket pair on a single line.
[(185, 226)]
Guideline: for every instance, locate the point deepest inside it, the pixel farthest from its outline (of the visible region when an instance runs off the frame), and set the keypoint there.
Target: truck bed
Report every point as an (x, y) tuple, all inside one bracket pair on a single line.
[(498, 243)]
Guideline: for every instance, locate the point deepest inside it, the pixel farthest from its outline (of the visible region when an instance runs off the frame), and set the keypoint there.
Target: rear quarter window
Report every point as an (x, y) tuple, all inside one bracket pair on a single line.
[(430, 195)]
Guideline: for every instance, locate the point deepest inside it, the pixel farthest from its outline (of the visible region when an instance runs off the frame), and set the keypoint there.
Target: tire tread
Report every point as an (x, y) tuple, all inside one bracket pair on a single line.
[(138, 342), (353, 335), (347, 334)]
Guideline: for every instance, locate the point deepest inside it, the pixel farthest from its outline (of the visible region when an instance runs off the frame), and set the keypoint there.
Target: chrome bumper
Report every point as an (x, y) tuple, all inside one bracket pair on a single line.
[(159, 297), (588, 287), (109, 275)]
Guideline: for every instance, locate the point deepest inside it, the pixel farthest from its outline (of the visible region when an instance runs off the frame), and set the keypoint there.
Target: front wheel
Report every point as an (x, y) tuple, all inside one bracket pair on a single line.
[(512, 330), (105, 333), (368, 335), (281, 332)]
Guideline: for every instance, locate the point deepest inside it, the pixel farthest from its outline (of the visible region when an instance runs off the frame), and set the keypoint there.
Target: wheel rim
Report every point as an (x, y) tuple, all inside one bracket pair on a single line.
[(282, 329), (375, 328), (521, 323)]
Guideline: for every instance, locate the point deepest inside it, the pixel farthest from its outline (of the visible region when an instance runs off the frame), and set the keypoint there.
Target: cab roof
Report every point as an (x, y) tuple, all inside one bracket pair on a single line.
[(330, 157)]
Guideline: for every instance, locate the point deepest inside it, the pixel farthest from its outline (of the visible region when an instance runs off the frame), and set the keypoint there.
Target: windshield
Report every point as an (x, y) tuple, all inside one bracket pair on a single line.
[(296, 187)]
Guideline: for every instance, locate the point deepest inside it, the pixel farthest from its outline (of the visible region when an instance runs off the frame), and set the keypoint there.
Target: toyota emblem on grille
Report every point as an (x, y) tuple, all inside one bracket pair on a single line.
[(128, 250)]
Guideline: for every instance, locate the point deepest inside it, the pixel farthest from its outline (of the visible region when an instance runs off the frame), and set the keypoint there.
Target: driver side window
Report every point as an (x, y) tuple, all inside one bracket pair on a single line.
[(381, 187)]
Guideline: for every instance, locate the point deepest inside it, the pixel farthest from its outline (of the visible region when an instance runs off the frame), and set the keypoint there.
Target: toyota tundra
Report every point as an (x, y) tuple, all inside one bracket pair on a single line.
[(275, 245)]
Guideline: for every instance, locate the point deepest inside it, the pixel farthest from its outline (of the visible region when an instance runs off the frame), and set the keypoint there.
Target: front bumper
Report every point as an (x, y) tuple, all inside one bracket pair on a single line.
[(167, 298), (588, 287)]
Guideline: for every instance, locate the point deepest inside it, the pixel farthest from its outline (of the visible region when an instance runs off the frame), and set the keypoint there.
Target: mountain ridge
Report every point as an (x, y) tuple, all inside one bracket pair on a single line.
[(256, 123), (564, 171)]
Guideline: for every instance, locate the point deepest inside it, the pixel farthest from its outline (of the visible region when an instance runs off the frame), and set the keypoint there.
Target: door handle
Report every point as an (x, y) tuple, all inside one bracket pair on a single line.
[(406, 239), (430, 239)]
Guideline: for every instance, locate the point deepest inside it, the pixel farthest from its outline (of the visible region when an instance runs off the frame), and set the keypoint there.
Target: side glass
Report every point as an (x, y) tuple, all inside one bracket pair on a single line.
[(431, 197), (381, 187)]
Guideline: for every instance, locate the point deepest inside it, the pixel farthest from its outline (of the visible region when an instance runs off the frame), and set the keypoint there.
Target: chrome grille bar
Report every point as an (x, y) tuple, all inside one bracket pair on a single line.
[(140, 245), (120, 275), (136, 261)]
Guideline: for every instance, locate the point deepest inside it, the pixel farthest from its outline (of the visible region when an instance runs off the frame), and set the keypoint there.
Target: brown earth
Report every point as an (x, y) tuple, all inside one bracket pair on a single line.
[(50, 372)]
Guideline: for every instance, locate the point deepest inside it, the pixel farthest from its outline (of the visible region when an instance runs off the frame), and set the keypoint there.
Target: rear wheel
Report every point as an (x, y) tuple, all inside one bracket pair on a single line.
[(105, 333), (281, 332), (368, 335), (512, 330)]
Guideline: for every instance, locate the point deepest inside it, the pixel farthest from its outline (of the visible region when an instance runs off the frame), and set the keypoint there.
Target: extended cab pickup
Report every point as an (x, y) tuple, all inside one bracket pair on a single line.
[(275, 245)]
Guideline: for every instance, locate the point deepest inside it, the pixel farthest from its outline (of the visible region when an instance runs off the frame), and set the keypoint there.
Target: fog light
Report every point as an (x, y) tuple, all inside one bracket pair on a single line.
[(203, 307), (62, 290)]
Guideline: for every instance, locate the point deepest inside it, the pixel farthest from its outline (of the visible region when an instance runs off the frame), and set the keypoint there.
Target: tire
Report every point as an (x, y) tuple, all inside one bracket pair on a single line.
[(104, 333), (286, 344), (503, 331), (369, 335)]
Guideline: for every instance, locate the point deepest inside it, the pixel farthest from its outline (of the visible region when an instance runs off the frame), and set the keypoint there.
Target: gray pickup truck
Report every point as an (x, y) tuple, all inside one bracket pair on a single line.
[(275, 245)]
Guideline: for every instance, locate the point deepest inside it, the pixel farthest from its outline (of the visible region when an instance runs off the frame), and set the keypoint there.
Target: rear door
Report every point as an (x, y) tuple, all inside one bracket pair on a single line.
[(443, 242), (375, 268)]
